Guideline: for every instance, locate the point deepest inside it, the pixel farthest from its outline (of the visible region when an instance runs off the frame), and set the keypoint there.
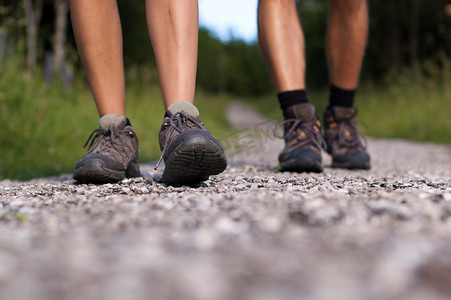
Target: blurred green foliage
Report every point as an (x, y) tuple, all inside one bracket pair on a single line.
[(232, 67), (402, 35)]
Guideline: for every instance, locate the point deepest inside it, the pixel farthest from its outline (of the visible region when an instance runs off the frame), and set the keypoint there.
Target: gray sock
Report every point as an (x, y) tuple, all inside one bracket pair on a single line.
[(113, 121), (184, 107)]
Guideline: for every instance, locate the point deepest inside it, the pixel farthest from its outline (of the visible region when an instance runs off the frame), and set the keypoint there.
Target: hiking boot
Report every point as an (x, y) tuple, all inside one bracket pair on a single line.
[(344, 142), (112, 154), (303, 140), (191, 153)]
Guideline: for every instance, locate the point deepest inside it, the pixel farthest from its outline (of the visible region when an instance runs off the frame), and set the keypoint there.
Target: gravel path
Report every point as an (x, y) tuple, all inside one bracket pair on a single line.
[(249, 233)]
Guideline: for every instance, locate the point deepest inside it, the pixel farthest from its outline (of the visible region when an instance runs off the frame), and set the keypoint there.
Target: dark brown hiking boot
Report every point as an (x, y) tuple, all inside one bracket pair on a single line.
[(344, 142), (112, 154), (191, 153), (303, 140)]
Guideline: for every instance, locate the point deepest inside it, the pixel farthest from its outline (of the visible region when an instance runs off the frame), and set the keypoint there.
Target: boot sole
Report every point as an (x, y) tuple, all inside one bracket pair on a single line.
[(352, 165), (94, 171), (302, 160), (300, 166), (352, 162), (194, 160)]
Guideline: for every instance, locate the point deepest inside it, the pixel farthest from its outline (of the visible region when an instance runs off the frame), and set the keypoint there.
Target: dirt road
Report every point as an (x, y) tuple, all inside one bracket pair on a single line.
[(249, 233)]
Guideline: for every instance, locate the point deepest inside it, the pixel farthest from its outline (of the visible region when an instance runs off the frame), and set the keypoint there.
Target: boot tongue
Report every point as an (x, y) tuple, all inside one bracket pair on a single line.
[(113, 121), (304, 111), (183, 107)]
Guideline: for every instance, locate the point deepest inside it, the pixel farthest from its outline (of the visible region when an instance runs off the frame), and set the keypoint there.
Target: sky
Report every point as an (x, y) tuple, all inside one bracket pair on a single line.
[(230, 18)]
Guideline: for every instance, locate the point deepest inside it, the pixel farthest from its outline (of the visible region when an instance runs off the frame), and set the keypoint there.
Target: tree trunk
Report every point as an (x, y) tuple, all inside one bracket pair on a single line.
[(395, 44), (15, 14), (33, 17), (61, 8), (413, 32)]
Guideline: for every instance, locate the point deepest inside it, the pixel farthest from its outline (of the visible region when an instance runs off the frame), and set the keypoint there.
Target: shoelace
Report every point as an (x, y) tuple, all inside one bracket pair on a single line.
[(179, 121), (107, 132), (312, 137), (356, 140)]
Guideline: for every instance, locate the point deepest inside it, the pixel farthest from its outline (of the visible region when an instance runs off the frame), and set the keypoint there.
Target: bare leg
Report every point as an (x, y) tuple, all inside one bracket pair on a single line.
[(282, 43), (98, 33), (173, 29), (346, 40)]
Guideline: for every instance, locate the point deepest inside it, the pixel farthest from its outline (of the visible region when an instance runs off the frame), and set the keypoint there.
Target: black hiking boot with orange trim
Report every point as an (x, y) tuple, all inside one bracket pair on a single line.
[(303, 141), (344, 142)]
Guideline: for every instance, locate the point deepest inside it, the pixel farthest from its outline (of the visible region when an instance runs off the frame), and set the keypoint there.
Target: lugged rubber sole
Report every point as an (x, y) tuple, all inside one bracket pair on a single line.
[(352, 165), (300, 161), (353, 161), (94, 171), (302, 165), (194, 160)]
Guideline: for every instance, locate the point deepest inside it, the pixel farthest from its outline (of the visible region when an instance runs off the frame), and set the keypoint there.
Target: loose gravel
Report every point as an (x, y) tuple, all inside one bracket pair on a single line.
[(249, 233)]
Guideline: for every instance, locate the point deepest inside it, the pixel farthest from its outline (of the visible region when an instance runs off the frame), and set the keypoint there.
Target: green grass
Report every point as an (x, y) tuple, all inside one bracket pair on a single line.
[(412, 112), (411, 107), (43, 128)]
